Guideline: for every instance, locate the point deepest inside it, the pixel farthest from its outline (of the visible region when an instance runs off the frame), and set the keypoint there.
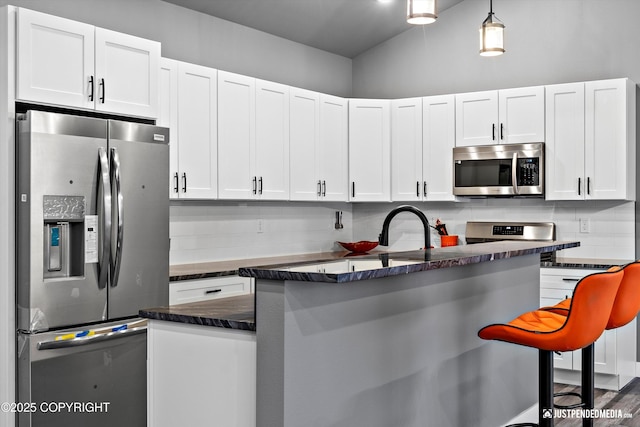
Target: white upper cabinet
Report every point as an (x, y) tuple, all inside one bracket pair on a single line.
[(422, 141), (333, 149), (406, 150), (590, 148), (369, 150), (438, 139), (508, 116), (68, 63), (188, 105), (253, 138), (271, 154), (303, 142), (318, 146), (236, 136), (610, 139), (564, 146)]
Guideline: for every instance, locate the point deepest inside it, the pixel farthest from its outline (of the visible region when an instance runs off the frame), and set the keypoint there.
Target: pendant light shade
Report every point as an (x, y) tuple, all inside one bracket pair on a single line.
[(420, 12), (491, 35)]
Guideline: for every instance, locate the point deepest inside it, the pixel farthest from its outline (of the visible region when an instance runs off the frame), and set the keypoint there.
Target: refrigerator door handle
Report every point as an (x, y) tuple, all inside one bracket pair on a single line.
[(119, 211), (77, 342), (104, 210)]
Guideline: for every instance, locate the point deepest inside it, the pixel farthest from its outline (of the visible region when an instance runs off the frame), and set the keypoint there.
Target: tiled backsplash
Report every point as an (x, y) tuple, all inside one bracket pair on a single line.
[(611, 223), (203, 232)]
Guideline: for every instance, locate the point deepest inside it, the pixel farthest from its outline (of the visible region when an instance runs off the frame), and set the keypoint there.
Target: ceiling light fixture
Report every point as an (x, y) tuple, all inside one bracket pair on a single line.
[(420, 12), (491, 35)]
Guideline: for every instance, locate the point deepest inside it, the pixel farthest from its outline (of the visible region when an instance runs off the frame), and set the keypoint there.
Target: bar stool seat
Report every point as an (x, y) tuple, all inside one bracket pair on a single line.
[(547, 331)]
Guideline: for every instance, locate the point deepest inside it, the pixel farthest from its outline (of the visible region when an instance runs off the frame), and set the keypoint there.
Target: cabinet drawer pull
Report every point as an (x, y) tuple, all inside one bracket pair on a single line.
[(493, 132), (567, 279), (175, 181), (319, 188), (212, 291), (424, 188), (254, 182), (324, 188), (184, 182), (501, 131), (260, 185), (417, 188), (353, 189), (588, 185)]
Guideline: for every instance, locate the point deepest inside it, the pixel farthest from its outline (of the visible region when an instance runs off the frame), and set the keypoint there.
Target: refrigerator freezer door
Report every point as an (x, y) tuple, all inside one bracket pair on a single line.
[(59, 227), (106, 372), (139, 156)]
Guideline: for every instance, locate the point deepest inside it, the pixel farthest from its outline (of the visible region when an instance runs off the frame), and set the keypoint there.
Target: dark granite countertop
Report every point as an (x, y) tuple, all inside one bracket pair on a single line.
[(585, 263), (364, 267), (231, 313), (203, 270)]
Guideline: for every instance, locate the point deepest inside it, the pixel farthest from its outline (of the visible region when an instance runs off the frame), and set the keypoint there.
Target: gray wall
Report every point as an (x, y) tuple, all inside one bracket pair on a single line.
[(201, 39), (547, 41)]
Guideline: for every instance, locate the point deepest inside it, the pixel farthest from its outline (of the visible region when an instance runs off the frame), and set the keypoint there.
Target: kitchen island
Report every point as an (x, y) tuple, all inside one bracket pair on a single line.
[(387, 339), (391, 339)]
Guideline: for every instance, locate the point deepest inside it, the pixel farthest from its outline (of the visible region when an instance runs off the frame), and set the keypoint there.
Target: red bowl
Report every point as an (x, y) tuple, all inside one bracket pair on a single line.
[(359, 247)]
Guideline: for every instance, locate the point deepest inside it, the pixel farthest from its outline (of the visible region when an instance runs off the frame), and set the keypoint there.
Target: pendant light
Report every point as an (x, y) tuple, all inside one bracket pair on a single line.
[(491, 35), (420, 12)]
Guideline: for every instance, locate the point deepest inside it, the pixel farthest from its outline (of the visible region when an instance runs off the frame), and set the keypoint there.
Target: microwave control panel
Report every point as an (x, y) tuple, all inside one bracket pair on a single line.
[(528, 171)]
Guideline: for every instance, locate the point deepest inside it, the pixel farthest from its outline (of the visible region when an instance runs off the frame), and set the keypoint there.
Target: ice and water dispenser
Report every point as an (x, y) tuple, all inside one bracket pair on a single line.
[(64, 236)]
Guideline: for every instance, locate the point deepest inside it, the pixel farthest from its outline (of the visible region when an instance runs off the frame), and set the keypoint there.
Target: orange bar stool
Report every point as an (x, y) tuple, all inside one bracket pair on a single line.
[(625, 308), (549, 332)]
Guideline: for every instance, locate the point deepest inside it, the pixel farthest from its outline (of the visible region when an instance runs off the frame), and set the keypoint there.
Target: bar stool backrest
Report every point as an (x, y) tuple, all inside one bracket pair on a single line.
[(590, 308), (627, 303)]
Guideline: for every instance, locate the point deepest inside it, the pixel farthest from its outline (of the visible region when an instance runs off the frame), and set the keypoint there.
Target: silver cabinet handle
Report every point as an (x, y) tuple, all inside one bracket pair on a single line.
[(104, 210), (175, 182), (104, 90), (254, 182), (260, 185), (119, 209), (324, 188), (319, 188)]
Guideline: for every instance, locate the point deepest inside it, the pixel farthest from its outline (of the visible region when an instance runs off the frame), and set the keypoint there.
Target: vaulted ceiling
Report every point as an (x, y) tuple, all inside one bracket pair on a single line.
[(343, 27)]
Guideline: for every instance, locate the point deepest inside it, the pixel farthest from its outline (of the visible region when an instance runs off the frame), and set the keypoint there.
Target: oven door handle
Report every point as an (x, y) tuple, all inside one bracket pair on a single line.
[(94, 339), (514, 174)]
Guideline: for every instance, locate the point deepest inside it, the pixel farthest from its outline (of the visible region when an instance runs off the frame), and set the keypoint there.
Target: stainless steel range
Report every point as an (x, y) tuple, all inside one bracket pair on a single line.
[(491, 231)]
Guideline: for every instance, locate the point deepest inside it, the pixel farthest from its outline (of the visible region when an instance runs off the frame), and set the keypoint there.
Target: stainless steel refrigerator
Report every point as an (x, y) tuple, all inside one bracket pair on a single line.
[(92, 249)]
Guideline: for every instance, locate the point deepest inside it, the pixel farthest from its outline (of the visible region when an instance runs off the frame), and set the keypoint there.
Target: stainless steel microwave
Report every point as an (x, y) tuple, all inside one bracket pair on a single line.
[(506, 170)]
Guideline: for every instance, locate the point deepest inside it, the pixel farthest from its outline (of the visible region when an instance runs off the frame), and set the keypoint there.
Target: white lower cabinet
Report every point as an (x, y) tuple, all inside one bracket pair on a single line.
[(200, 375), (615, 350), (185, 291)]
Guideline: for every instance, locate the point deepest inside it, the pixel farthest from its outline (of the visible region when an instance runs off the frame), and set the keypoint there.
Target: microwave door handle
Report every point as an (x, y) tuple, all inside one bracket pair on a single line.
[(104, 210), (514, 174)]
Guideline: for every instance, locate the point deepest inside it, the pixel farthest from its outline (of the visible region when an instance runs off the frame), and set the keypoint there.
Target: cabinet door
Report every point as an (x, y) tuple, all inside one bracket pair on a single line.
[(438, 137), (168, 116), (406, 150), (521, 113), (236, 136), (54, 60), (197, 132), (564, 147), (369, 150), (333, 148), (476, 118), (608, 155), (126, 74), (272, 140), (304, 121)]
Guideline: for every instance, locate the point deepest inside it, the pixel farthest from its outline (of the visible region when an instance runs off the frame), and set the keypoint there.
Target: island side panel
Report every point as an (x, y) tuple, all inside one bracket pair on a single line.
[(398, 351)]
